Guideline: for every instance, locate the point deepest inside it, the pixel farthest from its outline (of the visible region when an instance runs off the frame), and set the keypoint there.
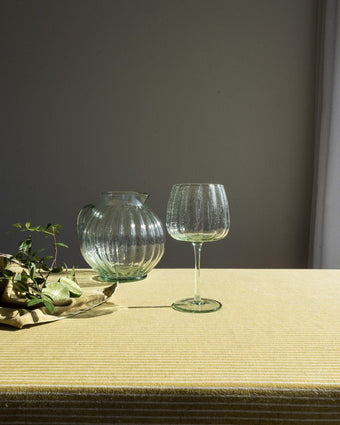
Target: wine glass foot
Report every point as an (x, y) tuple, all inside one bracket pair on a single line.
[(189, 305)]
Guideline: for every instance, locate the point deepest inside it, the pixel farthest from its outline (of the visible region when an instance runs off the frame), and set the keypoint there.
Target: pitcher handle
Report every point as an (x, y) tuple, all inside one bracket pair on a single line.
[(83, 216)]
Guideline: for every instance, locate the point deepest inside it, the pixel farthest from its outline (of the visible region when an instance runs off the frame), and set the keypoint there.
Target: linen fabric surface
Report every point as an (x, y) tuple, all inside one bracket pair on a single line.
[(271, 354)]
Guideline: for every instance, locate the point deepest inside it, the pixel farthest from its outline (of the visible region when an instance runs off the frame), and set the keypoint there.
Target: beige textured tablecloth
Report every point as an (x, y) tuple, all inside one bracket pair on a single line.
[(270, 355)]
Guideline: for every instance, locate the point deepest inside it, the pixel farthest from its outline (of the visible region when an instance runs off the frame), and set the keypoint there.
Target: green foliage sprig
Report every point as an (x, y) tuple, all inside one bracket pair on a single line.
[(36, 267)]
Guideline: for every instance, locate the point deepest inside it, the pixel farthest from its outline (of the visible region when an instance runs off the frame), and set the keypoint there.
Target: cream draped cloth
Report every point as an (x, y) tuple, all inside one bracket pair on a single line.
[(14, 310)]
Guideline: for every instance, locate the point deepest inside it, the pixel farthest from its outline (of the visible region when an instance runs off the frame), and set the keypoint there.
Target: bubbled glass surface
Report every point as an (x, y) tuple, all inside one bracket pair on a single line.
[(121, 238)]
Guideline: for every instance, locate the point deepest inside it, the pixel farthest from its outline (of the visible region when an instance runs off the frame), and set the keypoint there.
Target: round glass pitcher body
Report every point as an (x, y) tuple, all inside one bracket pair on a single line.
[(121, 238)]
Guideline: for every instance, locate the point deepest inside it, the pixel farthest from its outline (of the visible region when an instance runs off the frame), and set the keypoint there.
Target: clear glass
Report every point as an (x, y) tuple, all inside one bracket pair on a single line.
[(198, 213), (122, 239)]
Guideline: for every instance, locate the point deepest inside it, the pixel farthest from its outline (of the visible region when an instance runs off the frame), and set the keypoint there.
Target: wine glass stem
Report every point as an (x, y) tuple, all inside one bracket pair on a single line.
[(197, 252)]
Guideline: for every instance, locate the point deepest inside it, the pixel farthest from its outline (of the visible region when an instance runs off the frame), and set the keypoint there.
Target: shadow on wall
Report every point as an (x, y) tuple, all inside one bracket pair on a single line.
[(142, 95)]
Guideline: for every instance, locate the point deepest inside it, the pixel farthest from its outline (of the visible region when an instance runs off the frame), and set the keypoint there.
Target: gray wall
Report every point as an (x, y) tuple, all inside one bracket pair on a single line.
[(138, 95)]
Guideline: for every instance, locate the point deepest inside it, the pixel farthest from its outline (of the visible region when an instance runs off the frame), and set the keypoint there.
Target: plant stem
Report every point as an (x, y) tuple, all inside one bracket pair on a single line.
[(11, 258), (55, 246), (197, 252)]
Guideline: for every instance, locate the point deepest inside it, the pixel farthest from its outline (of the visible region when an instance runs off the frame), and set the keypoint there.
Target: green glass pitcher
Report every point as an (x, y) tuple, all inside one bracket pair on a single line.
[(122, 239)]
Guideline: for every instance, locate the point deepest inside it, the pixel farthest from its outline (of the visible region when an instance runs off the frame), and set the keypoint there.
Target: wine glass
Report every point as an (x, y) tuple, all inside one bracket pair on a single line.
[(197, 213)]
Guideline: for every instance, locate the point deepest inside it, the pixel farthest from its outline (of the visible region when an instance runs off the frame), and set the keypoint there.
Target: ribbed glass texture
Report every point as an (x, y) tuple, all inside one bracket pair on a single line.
[(198, 212), (121, 238)]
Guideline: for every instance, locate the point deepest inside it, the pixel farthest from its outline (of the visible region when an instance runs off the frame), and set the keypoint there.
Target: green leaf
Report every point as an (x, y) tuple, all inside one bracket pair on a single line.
[(28, 224), (24, 275), (26, 245), (56, 290), (8, 273), (57, 270), (72, 286), (19, 256), (48, 303), (39, 280), (17, 225), (33, 301), (32, 271), (73, 275), (62, 244), (20, 286), (56, 228), (46, 258), (4, 262)]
